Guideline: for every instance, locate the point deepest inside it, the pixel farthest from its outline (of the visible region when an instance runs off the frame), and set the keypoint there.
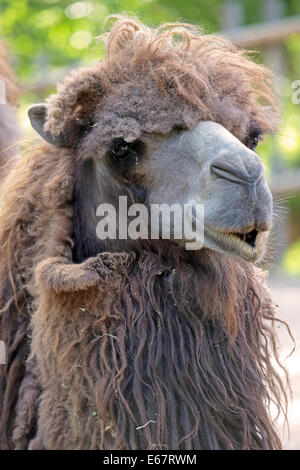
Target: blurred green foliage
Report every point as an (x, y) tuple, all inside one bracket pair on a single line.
[(291, 259), (48, 34), (58, 33), (48, 37)]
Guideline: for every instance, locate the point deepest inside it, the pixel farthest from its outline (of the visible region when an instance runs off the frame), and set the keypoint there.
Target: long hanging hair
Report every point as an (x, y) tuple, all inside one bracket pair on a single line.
[(177, 355)]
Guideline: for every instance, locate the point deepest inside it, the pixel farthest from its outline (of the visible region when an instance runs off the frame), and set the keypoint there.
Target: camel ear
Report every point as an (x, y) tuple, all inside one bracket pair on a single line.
[(37, 114)]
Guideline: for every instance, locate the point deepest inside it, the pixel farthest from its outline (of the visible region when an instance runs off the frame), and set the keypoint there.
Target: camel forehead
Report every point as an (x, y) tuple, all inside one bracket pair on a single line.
[(136, 107), (159, 82)]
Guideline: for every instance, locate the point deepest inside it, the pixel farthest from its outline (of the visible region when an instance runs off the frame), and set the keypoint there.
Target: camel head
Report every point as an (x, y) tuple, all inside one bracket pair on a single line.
[(170, 116)]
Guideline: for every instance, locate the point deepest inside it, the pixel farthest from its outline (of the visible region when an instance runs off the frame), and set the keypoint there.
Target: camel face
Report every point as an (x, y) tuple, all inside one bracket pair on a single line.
[(212, 167), (206, 165)]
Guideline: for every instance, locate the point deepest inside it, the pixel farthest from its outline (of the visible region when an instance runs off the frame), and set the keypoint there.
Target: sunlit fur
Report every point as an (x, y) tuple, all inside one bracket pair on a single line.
[(124, 339)]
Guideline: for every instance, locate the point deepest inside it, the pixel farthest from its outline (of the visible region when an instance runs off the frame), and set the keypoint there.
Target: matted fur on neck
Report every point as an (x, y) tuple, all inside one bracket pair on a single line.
[(158, 359)]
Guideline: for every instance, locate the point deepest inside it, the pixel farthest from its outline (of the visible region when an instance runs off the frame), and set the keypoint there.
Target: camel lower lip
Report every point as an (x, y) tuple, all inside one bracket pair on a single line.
[(233, 243)]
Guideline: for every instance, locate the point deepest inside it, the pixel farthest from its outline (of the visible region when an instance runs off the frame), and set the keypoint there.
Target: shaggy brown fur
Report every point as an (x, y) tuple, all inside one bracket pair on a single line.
[(9, 129), (149, 346)]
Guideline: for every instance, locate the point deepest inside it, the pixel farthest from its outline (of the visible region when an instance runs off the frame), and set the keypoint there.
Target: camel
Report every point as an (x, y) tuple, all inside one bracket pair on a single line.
[(119, 343)]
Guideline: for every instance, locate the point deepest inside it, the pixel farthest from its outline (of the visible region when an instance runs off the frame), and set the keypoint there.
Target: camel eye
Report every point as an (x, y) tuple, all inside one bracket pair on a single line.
[(119, 149), (253, 140), (253, 143), (255, 134), (124, 155)]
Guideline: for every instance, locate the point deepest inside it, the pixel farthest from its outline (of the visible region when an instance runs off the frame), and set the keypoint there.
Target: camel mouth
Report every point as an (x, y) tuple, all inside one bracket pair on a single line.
[(248, 237), (249, 245)]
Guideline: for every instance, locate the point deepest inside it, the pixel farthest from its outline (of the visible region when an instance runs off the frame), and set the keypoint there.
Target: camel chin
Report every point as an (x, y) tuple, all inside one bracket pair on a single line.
[(249, 245)]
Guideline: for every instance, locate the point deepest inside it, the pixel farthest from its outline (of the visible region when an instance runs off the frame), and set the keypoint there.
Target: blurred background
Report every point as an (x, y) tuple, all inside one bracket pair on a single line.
[(49, 37)]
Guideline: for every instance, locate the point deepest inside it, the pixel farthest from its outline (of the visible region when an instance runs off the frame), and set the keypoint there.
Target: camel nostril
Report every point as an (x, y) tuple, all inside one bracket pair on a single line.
[(234, 173), (231, 175)]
